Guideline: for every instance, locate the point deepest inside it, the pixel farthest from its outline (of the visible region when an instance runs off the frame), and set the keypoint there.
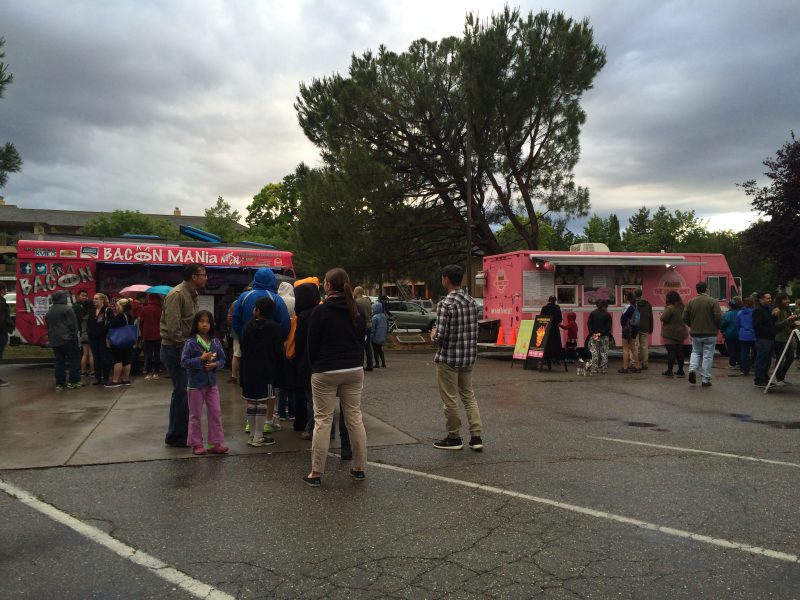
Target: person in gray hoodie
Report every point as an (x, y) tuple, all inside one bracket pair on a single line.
[(63, 334)]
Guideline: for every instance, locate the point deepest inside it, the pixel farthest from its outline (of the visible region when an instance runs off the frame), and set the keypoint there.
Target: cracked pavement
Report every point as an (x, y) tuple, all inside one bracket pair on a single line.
[(247, 526)]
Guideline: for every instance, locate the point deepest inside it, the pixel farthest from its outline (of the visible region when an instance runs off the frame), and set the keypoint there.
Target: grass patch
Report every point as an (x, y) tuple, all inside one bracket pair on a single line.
[(25, 351)]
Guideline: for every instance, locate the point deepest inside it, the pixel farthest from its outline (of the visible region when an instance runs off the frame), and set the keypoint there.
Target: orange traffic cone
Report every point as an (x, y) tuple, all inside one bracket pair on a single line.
[(500, 339), (513, 341)]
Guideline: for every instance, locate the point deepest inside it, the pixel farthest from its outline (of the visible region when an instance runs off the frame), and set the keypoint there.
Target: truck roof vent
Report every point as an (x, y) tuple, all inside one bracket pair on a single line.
[(589, 247)]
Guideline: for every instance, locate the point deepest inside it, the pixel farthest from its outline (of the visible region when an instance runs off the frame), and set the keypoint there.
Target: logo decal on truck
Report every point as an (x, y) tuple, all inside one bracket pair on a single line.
[(500, 281)]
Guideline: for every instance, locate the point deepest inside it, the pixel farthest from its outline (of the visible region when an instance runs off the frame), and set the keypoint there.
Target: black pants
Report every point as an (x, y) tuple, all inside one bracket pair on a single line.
[(152, 348), (734, 353), (675, 355), (380, 359), (788, 359)]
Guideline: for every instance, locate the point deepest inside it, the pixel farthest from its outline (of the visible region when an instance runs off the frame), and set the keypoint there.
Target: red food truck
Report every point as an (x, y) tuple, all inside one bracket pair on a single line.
[(518, 284), (69, 264)]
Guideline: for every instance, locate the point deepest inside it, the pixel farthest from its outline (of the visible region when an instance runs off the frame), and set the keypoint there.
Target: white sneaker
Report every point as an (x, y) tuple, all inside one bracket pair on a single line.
[(148, 377), (155, 375)]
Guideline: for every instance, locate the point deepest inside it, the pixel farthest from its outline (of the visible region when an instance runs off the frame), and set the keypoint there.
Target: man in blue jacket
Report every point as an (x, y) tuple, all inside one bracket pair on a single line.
[(263, 285)]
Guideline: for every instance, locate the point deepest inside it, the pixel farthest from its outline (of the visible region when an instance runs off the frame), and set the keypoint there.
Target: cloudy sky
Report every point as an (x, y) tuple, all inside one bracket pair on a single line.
[(150, 105)]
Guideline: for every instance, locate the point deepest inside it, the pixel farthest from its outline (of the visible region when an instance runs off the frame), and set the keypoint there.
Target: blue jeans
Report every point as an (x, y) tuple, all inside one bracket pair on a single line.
[(763, 360), (179, 403), (71, 353), (703, 356), (747, 353)]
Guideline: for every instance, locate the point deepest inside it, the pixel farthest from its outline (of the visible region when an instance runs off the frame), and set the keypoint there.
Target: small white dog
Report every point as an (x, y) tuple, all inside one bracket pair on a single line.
[(581, 369)]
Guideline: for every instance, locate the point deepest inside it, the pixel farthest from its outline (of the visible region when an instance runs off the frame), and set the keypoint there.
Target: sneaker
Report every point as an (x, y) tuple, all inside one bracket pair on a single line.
[(60, 388), (692, 377), (785, 382), (284, 418), (476, 443), (305, 436), (634, 370), (111, 384), (624, 371), (449, 443), (733, 367), (264, 441), (357, 475), (680, 374), (667, 373), (3, 383), (148, 377), (75, 386), (757, 384), (198, 450), (706, 384), (125, 382), (218, 449), (271, 427), (247, 427), (155, 376)]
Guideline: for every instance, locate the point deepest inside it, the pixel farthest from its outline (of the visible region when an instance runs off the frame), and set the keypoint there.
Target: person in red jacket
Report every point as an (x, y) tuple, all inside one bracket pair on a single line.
[(571, 327), (150, 332)]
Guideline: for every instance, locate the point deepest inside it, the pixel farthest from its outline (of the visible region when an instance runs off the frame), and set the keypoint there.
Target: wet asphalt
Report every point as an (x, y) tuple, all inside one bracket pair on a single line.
[(247, 525)]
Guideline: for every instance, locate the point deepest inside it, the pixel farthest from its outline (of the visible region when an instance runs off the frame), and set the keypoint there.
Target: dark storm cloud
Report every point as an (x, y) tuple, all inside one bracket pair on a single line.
[(152, 105)]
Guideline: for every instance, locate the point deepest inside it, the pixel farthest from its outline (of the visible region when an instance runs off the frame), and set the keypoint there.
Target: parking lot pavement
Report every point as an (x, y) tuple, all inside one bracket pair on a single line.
[(626, 486)]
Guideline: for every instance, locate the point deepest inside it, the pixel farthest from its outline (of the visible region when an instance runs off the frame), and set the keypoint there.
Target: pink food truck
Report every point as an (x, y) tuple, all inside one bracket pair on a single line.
[(517, 284), (71, 265)]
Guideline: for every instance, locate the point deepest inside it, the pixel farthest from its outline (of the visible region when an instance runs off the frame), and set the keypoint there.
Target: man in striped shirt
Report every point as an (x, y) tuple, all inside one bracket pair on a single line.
[(456, 339)]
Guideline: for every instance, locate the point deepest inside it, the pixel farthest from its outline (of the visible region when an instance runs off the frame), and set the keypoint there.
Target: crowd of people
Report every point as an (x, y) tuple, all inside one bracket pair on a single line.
[(297, 352)]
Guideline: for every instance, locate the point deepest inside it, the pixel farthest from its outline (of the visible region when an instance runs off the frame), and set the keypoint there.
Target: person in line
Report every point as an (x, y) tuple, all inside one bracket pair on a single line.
[(380, 329), (180, 306), (150, 330), (554, 350), (629, 320), (335, 351), (703, 316), (674, 332), (599, 325), (6, 326), (456, 339), (785, 321), (645, 328), (237, 348), (571, 329), (764, 328), (137, 364), (97, 330), (202, 356), (365, 308), (121, 356), (64, 338), (730, 331), (262, 346), (306, 298), (287, 370), (83, 310), (263, 285), (747, 336)]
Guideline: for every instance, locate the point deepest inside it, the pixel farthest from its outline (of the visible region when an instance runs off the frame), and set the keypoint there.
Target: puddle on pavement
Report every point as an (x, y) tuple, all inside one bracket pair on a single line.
[(773, 424), (640, 424)]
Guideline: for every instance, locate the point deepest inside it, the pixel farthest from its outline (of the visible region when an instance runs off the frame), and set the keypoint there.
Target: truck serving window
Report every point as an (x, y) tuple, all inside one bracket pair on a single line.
[(717, 286)]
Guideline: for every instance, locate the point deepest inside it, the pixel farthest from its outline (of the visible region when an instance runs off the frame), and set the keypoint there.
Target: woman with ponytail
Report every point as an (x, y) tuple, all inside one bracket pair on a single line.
[(335, 331)]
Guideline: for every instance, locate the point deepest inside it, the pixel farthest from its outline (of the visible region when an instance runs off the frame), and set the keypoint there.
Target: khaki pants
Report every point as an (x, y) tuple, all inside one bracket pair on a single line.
[(326, 387), (644, 347), (455, 383)]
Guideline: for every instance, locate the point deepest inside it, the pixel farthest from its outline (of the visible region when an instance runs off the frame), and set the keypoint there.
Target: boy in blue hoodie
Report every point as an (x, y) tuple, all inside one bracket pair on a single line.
[(747, 336), (730, 331)]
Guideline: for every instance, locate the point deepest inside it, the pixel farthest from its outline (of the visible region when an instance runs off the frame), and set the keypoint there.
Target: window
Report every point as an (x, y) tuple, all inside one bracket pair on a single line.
[(567, 294), (717, 286)]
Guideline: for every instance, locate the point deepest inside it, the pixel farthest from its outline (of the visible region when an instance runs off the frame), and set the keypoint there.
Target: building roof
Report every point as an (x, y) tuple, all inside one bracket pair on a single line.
[(10, 213)]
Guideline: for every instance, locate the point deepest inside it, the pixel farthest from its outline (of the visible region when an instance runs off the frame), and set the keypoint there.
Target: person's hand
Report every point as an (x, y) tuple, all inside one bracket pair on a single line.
[(433, 331), (210, 366), (206, 356)]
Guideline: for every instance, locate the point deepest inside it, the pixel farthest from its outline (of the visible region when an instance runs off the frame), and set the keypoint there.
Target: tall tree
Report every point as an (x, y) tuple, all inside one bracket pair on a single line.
[(10, 161), (778, 203), (507, 93), (637, 234), (221, 220), (121, 222)]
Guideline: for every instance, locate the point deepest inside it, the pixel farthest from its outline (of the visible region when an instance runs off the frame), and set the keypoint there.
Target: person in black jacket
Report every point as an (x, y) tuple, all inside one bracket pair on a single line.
[(97, 330), (764, 326), (335, 331), (554, 350), (599, 326), (306, 298)]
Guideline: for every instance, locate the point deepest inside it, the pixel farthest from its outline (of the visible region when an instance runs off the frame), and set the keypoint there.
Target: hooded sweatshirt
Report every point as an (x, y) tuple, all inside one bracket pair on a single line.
[(62, 324), (334, 340), (286, 291), (571, 326), (745, 322), (150, 319), (263, 285)]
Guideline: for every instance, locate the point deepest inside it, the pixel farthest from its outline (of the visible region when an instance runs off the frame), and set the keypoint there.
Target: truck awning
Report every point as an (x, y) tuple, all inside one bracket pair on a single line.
[(613, 260)]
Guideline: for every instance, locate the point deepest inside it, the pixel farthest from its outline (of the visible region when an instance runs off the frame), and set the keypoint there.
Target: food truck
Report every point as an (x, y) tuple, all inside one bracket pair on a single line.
[(518, 284), (70, 264)]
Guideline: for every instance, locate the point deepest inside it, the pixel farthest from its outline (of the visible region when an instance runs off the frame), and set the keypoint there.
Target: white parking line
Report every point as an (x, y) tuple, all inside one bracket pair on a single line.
[(696, 451), (151, 563), (671, 531)]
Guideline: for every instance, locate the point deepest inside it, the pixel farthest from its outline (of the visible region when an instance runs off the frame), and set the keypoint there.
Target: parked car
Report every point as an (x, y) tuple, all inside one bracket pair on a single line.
[(409, 315)]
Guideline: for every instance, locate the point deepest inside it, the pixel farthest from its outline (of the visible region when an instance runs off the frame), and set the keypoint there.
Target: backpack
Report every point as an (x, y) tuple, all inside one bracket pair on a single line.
[(636, 318)]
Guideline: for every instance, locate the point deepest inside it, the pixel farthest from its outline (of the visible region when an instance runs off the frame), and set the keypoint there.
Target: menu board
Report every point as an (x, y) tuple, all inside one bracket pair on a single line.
[(537, 287)]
